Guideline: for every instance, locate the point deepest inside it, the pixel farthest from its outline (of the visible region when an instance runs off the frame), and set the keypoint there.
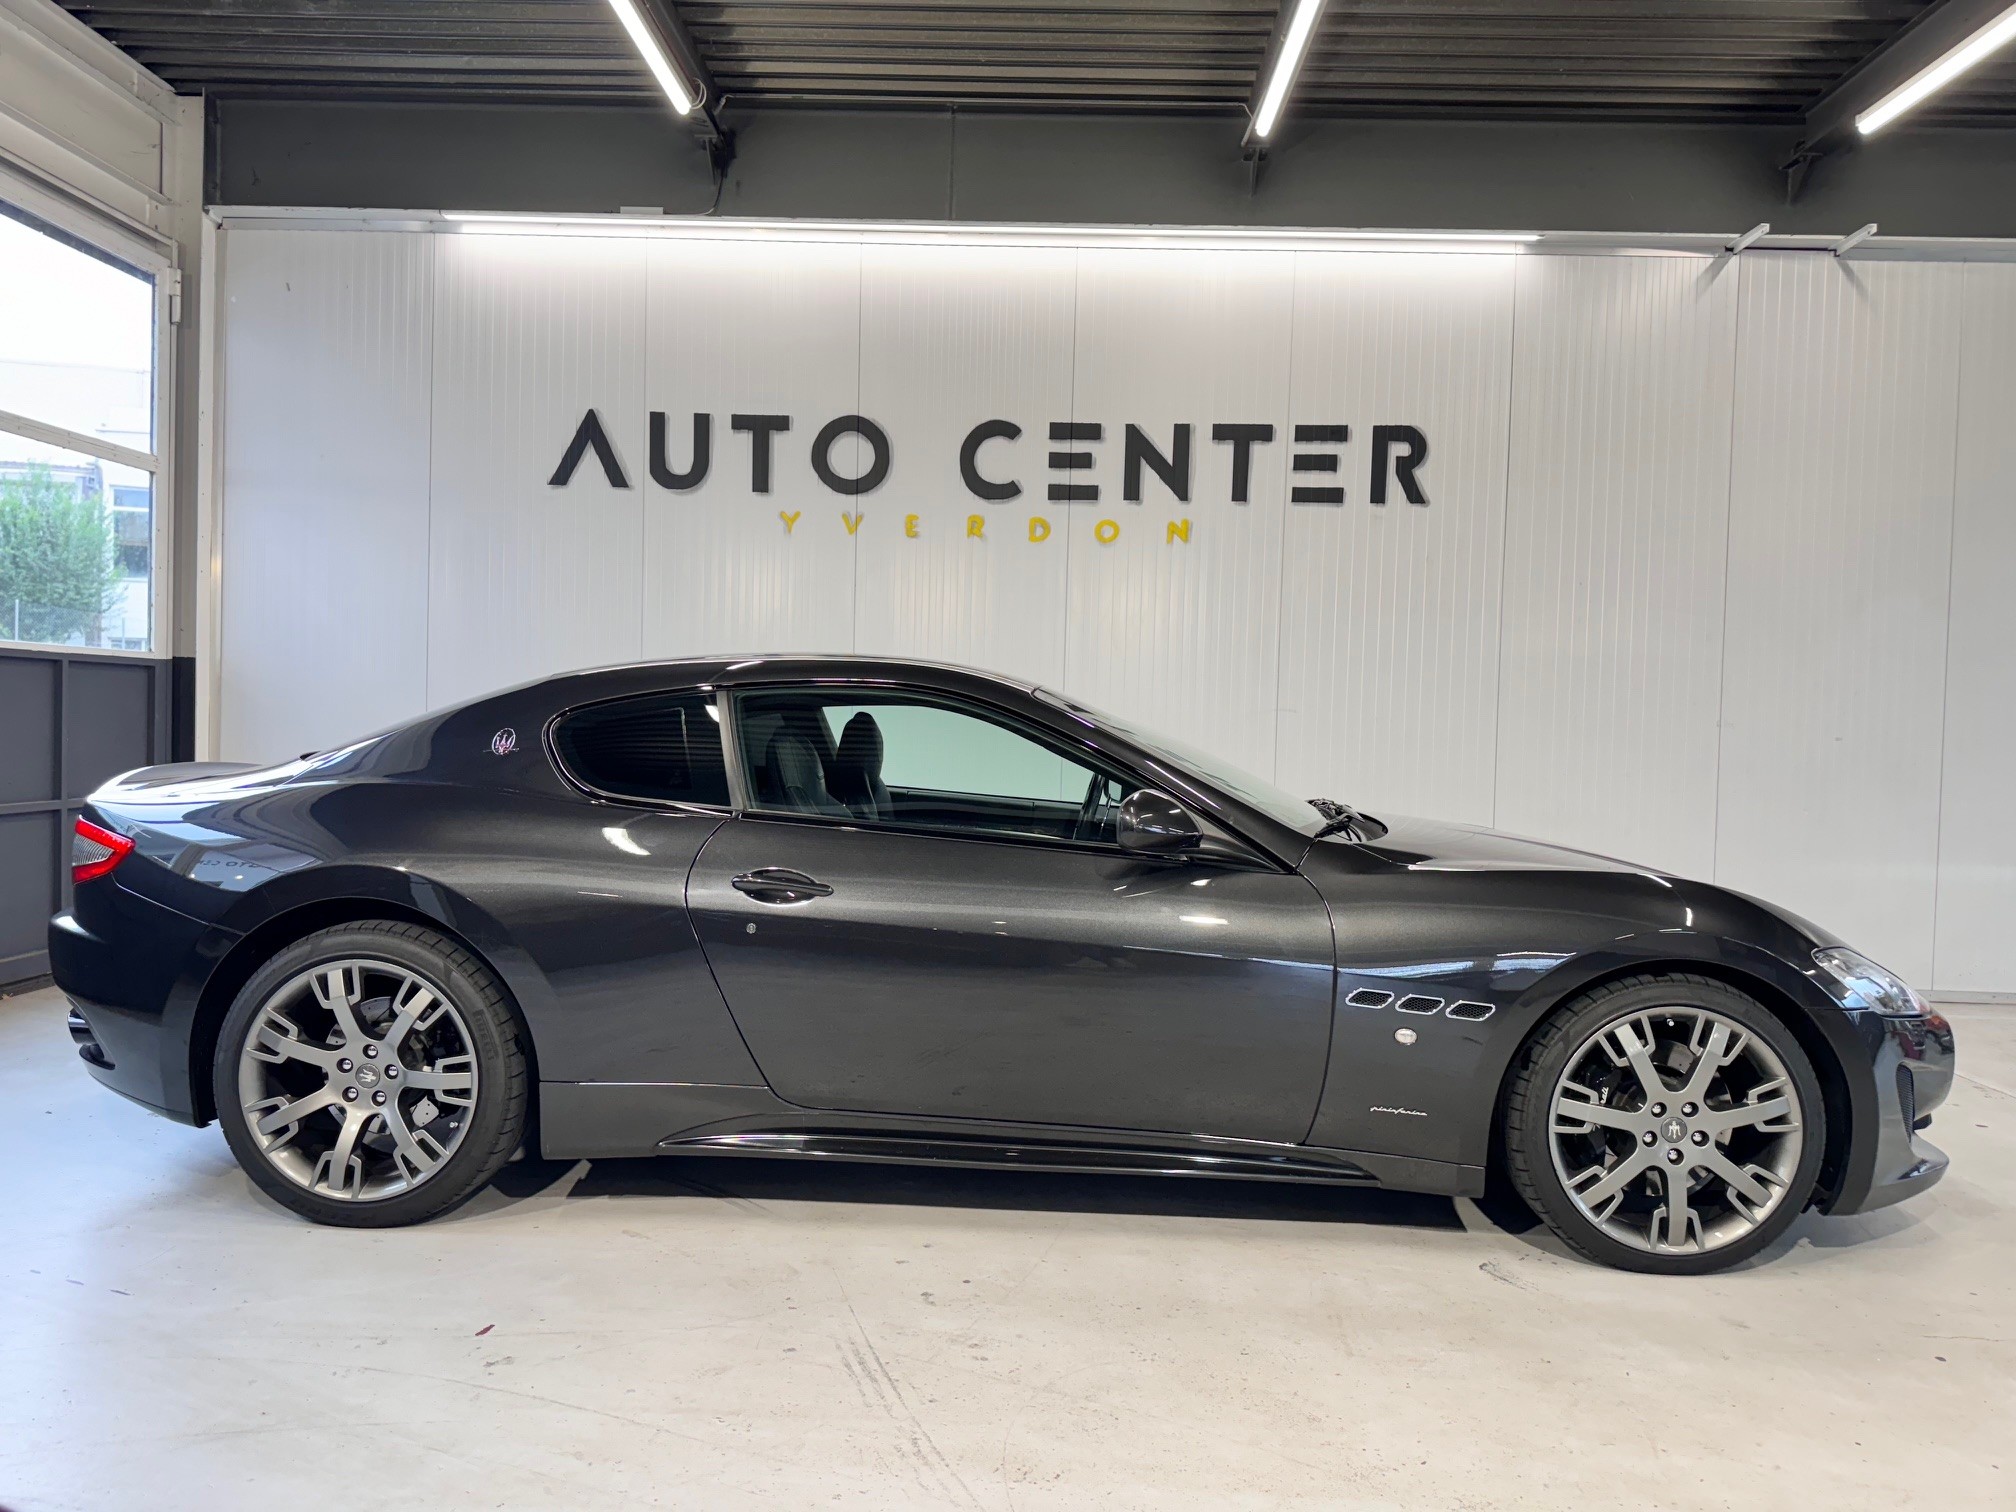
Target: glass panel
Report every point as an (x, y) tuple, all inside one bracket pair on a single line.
[(943, 751), (76, 532), (1275, 802), (918, 763), (666, 748), (76, 338), (76, 548)]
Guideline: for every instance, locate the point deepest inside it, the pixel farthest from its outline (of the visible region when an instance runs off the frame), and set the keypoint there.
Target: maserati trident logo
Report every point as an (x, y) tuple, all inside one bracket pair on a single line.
[(1674, 1130), (504, 742)]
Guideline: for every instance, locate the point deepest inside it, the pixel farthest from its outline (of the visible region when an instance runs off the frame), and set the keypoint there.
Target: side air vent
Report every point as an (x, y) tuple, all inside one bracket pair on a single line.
[(1419, 1004), (1907, 1098), (1369, 997), (1476, 1013)]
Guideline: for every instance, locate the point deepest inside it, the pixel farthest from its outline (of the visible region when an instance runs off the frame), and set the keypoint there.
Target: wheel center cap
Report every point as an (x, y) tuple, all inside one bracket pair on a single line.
[(367, 1076), (1674, 1130)]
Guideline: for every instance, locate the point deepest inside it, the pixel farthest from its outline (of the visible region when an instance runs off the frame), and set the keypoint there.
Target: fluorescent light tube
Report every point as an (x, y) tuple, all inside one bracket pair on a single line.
[(1286, 63), (654, 55), (979, 229), (1929, 81), (1011, 233)]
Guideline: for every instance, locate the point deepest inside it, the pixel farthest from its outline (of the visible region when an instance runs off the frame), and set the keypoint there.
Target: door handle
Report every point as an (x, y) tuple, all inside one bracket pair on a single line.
[(780, 884)]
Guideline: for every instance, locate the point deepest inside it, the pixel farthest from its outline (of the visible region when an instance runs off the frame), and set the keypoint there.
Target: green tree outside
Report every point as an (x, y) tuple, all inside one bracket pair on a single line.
[(58, 572)]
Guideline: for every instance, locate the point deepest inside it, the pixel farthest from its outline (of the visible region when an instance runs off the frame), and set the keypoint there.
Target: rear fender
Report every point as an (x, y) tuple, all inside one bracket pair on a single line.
[(298, 904)]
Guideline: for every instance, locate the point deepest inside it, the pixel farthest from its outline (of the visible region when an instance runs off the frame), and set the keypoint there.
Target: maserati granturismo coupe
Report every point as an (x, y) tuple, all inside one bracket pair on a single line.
[(861, 909)]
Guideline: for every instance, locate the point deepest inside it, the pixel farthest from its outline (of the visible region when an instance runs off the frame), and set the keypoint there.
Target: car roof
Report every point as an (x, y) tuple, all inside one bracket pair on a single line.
[(626, 677)]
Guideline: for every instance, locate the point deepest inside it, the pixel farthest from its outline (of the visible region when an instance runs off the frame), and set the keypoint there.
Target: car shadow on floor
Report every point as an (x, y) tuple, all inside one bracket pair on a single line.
[(757, 1181)]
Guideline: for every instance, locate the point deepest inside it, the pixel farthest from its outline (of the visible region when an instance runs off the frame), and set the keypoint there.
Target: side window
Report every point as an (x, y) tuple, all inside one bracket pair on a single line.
[(663, 748), (918, 763)]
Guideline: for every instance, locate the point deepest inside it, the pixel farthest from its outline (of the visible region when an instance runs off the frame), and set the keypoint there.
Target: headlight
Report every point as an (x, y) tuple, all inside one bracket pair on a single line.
[(1860, 983)]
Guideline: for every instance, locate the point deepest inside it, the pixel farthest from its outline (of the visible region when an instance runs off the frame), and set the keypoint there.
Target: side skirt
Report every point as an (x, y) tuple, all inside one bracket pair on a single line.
[(594, 1120)]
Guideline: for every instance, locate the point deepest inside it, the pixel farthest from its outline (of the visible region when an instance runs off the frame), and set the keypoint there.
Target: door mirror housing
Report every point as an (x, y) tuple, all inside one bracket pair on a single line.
[(1149, 823)]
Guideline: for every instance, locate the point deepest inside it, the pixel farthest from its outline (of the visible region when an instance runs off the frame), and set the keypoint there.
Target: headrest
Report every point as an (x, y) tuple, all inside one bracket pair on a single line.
[(861, 744)]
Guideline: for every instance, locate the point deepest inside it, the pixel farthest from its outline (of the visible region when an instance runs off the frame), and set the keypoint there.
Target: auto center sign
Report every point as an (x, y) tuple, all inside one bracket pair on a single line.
[(1332, 464)]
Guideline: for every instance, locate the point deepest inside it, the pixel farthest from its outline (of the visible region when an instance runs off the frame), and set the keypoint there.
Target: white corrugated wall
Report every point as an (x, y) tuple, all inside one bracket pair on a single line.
[(1714, 573)]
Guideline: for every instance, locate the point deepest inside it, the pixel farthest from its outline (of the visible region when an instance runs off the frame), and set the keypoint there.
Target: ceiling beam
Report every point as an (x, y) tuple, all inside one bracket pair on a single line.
[(1928, 37)]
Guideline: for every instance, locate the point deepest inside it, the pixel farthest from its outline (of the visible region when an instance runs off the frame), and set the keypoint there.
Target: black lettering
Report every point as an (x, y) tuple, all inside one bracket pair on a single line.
[(1074, 461), (1317, 462), (762, 430), (878, 453), (1173, 470), (1243, 438), (969, 460), (1383, 437), (589, 433), (703, 451)]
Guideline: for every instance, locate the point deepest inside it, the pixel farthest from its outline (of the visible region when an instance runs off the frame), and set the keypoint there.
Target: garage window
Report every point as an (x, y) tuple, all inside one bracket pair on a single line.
[(665, 748), (77, 458)]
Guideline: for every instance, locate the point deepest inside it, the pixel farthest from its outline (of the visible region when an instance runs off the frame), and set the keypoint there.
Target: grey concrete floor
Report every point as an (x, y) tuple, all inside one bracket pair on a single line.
[(738, 1334)]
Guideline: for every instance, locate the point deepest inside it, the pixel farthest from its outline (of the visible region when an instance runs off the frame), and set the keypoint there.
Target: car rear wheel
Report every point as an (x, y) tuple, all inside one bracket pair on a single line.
[(1669, 1124), (371, 1075)]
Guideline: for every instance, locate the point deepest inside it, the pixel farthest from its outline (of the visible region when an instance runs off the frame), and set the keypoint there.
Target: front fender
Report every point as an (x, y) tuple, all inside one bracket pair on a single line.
[(1433, 1093)]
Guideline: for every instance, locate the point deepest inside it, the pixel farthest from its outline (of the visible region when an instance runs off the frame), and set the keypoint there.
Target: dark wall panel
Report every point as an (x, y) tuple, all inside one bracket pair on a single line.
[(28, 750), (29, 890), (68, 721), (108, 723), (1093, 169)]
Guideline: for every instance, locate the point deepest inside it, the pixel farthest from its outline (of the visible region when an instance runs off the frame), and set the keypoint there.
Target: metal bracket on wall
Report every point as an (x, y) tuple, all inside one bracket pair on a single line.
[(720, 144), (1256, 160), (1796, 168)]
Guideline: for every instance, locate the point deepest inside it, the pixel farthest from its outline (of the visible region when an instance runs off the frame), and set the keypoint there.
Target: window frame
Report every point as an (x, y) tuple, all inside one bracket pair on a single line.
[(49, 218), (746, 806), (741, 800)]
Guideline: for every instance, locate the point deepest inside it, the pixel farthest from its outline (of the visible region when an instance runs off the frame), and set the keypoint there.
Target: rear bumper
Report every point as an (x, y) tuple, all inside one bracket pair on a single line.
[(1908, 1072), (134, 1033)]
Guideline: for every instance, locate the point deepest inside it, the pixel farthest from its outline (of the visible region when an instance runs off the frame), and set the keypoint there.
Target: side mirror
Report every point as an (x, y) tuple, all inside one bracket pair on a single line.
[(1149, 823)]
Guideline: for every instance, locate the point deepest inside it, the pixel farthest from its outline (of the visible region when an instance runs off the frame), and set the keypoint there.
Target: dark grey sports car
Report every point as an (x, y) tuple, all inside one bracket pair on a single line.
[(879, 910)]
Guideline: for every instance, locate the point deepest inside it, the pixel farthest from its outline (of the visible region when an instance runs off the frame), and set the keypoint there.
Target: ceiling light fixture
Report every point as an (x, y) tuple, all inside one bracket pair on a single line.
[(1287, 63), (979, 232), (641, 33), (1936, 76)]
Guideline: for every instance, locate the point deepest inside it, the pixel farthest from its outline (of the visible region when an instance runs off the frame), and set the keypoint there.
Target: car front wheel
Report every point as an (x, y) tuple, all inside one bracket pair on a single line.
[(371, 1075), (1669, 1124)]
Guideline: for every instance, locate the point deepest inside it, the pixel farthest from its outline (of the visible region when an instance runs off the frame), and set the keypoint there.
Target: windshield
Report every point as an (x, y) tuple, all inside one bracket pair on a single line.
[(1276, 803)]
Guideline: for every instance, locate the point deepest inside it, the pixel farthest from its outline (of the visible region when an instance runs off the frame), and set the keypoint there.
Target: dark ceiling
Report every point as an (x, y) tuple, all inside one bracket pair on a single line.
[(1708, 61)]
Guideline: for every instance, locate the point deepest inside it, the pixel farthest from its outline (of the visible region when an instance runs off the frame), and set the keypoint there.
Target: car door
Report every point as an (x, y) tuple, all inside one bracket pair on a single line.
[(921, 911)]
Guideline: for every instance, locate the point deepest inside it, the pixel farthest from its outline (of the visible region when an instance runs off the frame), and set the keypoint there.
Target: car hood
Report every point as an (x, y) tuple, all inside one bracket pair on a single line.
[(1432, 845)]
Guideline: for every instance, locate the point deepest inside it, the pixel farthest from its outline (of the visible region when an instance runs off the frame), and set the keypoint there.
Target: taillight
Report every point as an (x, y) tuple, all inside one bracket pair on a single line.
[(95, 850)]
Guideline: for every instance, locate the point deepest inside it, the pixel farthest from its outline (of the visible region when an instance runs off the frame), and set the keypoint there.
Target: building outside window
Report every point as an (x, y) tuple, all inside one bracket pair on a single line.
[(77, 446)]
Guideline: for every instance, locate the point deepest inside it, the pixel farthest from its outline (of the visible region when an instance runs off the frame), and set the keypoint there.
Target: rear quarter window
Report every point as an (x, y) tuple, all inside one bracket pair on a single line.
[(660, 748)]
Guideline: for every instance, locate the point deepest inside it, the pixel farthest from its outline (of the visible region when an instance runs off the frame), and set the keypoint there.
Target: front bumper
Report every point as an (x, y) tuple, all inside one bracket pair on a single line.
[(1907, 1073)]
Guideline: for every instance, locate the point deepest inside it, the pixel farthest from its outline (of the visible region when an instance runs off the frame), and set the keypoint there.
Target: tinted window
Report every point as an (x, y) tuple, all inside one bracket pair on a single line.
[(919, 763), (666, 748)]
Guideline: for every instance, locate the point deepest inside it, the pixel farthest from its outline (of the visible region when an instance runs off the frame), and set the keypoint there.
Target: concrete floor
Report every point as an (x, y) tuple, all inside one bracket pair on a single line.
[(738, 1334)]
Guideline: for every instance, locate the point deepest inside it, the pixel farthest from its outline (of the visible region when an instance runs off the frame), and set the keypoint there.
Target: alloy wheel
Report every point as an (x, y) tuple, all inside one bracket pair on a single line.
[(357, 1079), (1676, 1130)]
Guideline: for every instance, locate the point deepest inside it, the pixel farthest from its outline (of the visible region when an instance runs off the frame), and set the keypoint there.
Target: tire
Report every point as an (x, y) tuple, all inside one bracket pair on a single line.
[(1595, 1151), (372, 1075)]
